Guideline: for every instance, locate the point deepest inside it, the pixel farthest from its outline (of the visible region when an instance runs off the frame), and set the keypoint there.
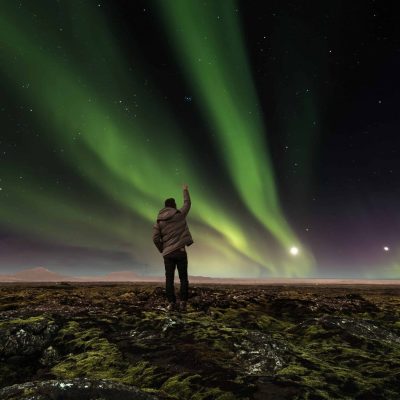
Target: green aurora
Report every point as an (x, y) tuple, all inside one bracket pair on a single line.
[(78, 97)]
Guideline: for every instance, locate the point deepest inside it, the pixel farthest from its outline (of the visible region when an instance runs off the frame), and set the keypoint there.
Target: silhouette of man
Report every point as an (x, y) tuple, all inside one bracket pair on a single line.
[(171, 235)]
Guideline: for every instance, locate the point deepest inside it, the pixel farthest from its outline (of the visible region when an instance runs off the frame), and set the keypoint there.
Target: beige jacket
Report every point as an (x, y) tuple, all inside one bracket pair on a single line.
[(171, 232)]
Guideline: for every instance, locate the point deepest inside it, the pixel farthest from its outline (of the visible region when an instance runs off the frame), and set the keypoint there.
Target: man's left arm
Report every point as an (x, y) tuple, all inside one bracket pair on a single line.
[(157, 237)]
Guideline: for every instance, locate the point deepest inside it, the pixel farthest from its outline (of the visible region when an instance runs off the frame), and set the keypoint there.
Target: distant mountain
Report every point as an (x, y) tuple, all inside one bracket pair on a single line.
[(118, 276), (199, 277), (8, 278), (39, 274)]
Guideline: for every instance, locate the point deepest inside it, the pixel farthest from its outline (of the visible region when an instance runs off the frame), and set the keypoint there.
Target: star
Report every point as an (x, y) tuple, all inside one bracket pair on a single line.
[(386, 248)]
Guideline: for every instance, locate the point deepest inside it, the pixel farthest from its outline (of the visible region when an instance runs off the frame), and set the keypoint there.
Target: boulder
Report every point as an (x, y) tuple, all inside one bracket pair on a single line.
[(25, 337)]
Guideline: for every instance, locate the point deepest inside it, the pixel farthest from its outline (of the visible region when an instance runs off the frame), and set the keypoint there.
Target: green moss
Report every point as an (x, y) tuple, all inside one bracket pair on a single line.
[(329, 363), (328, 378), (143, 374), (314, 330), (213, 393), (29, 392), (293, 370), (267, 323), (184, 387), (397, 324), (97, 358), (222, 346), (20, 321), (102, 363), (179, 386)]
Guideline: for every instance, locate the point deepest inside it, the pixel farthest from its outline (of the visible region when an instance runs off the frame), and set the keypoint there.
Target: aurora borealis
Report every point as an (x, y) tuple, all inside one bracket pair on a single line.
[(108, 107)]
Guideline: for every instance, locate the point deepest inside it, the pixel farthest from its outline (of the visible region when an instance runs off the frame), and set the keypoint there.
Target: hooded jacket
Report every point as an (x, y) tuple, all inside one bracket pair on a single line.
[(171, 232)]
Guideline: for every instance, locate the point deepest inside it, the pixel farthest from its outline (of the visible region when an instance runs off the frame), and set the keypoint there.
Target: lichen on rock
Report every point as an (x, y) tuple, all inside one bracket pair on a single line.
[(260, 342)]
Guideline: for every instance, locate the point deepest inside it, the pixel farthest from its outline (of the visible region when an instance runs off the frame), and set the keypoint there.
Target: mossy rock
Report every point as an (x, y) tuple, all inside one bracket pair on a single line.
[(72, 389), (225, 346)]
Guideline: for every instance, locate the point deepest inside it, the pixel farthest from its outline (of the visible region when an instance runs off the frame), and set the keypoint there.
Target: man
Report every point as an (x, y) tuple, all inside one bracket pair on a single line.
[(171, 235)]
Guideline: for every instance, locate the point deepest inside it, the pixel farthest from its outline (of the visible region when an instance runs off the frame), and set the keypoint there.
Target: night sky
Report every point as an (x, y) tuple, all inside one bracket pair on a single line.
[(282, 117)]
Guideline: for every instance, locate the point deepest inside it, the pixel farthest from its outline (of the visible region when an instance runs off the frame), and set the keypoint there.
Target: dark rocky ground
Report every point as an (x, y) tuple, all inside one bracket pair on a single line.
[(105, 341)]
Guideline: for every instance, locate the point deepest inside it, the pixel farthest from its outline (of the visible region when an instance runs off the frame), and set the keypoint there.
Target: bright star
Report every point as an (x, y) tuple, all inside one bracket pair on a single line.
[(294, 250), (386, 248)]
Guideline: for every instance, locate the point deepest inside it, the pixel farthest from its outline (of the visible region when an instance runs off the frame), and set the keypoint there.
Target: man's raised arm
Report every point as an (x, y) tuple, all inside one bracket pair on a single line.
[(186, 201)]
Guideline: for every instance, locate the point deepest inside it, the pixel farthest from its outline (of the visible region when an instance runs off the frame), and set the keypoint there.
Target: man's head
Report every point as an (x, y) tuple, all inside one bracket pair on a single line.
[(170, 202)]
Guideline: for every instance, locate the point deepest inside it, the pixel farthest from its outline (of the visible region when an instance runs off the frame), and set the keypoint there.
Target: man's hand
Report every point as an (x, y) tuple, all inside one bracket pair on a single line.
[(186, 200)]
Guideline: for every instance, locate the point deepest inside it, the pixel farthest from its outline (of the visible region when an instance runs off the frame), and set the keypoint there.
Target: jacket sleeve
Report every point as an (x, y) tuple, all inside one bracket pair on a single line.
[(186, 202), (157, 237)]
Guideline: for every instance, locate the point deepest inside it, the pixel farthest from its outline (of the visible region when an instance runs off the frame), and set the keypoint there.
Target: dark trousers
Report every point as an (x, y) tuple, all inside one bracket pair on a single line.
[(179, 259)]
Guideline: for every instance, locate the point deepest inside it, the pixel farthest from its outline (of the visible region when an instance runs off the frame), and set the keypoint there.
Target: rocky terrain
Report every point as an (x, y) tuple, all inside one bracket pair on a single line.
[(118, 341)]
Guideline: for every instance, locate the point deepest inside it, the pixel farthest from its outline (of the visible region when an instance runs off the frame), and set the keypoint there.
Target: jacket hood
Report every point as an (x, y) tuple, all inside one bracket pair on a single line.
[(166, 213)]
